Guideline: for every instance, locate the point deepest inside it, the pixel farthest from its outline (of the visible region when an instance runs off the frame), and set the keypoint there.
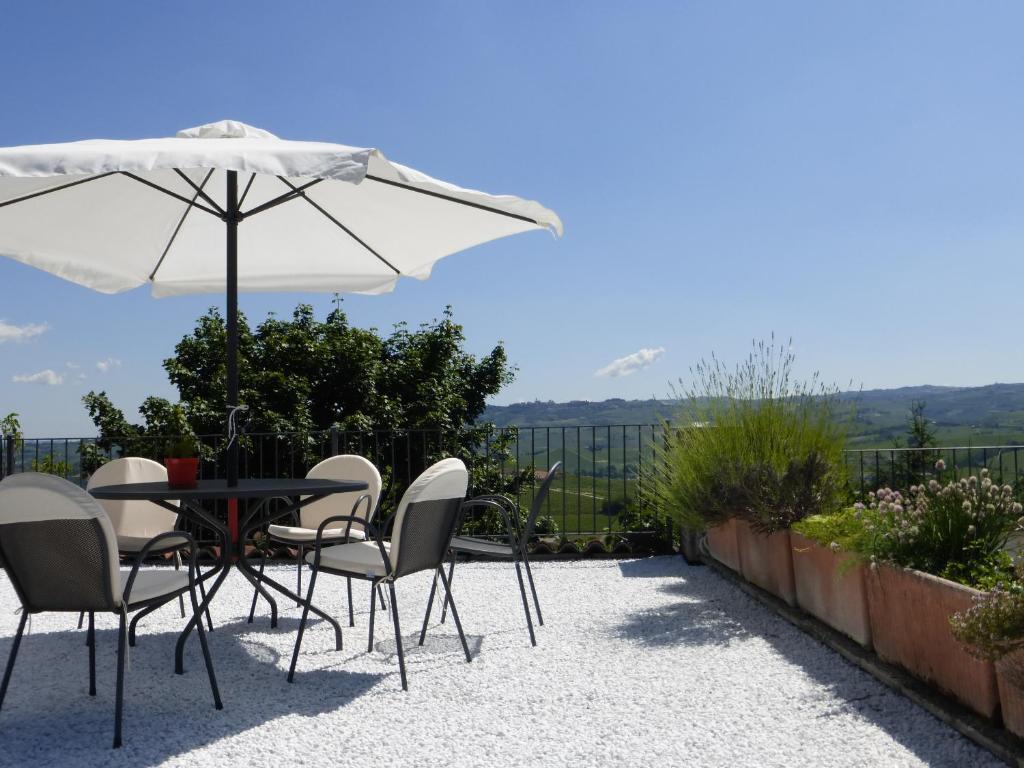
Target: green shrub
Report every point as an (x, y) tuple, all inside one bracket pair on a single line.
[(957, 531), (754, 443), (840, 531)]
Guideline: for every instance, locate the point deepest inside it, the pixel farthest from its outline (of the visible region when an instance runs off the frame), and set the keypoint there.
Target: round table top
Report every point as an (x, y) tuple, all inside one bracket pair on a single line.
[(218, 489)]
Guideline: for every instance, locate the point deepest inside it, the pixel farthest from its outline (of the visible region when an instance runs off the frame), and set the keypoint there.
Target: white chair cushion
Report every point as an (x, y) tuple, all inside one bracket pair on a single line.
[(308, 535), (134, 544), (153, 583), (362, 557)]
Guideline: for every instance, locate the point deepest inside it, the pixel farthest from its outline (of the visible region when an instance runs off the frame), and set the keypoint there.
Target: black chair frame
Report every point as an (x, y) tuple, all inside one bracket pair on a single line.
[(126, 607), (376, 581)]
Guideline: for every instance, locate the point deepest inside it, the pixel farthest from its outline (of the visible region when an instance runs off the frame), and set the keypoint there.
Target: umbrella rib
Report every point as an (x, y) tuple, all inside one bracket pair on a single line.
[(42, 192), (175, 195), (199, 190), (451, 199), (346, 230), (252, 178), (288, 196), (177, 229)]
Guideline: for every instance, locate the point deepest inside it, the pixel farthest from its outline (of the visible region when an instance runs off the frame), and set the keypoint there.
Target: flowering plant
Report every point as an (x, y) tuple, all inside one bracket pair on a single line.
[(994, 625), (957, 530)]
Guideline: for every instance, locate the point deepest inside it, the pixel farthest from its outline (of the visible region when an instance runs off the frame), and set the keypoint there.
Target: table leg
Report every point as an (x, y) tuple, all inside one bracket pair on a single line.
[(219, 572), (262, 579)]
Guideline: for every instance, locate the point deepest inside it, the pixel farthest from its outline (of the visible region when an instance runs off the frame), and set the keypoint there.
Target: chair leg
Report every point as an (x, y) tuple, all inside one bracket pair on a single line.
[(206, 650), (298, 575), (451, 577), (202, 592), (81, 620), (122, 641), (533, 589), (14, 653), (177, 567), (398, 636), (380, 596), (430, 605), (455, 614), (374, 588), (302, 625), (255, 592), (92, 654), (351, 615), (526, 604)]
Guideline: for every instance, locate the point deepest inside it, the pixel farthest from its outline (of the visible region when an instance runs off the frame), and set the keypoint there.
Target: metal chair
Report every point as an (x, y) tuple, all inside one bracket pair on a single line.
[(136, 522), (515, 550), (422, 529), (60, 552), (303, 535)]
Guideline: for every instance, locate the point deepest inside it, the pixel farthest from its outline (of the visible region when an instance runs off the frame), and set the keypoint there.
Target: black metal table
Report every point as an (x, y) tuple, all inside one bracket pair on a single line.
[(297, 492)]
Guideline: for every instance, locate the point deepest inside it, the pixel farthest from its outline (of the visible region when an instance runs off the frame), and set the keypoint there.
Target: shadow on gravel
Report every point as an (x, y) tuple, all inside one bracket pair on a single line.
[(711, 611), (48, 717)]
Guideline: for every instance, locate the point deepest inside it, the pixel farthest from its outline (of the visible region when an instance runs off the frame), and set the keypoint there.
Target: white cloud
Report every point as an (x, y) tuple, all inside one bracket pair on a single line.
[(71, 365), (105, 365), (49, 377), (630, 363), (9, 332)]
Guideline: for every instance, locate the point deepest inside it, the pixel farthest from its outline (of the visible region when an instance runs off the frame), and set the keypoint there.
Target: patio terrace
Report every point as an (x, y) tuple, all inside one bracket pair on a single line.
[(645, 662)]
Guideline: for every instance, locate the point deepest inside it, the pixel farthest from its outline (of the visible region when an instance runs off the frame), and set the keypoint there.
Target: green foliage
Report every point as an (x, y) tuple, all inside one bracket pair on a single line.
[(10, 426), (958, 530), (92, 457), (184, 447), (51, 466), (755, 443), (302, 376), (163, 421), (994, 625), (842, 530)]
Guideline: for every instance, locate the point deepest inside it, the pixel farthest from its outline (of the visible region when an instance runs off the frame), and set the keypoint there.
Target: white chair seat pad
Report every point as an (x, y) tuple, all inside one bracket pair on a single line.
[(136, 543), (308, 535), (153, 583), (362, 557)]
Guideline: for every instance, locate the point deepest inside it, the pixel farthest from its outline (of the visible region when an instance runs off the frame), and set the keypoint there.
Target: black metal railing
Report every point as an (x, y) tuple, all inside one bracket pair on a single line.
[(596, 496), (871, 468)]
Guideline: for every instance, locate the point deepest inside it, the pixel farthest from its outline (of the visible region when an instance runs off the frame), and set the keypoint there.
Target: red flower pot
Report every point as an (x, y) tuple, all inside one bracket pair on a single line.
[(723, 545), (909, 613), (182, 473), (829, 589), (767, 560)]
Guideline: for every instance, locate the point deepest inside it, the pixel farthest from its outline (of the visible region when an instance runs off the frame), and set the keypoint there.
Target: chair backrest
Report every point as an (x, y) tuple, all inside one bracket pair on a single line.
[(57, 545), (138, 518), (426, 517), (346, 467), (538, 501)]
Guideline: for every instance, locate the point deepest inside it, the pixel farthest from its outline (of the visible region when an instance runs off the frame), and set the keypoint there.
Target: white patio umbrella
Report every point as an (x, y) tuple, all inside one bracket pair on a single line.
[(228, 207)]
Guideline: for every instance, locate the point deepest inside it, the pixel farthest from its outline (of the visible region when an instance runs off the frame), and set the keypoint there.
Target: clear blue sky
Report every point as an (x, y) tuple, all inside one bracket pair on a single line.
[(848, 174)]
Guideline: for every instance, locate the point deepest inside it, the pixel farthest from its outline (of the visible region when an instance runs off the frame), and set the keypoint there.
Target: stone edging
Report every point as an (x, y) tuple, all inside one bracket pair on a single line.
[(999, 742)]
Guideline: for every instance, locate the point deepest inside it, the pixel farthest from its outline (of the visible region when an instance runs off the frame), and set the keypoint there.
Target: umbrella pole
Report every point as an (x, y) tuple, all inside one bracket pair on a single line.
[(232, 340)]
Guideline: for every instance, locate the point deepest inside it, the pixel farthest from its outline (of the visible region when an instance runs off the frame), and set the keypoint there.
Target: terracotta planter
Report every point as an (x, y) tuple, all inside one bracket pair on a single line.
[(182, 473), (723, 545), (909, 614), (767, 561), (1010, 679), (829, 589)]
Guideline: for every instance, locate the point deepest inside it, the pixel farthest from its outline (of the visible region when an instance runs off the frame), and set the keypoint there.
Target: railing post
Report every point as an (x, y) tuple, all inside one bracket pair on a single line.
[(334, 440), (8, 468)]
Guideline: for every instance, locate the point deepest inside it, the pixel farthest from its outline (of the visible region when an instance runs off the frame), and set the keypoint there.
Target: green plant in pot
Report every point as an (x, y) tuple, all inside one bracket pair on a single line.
[(181, 457)]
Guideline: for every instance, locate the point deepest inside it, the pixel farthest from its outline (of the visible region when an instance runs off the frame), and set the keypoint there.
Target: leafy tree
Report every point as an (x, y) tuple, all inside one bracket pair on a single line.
[(414, 395)]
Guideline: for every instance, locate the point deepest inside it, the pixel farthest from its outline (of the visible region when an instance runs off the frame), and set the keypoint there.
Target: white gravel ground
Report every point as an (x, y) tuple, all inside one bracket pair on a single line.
[(640, 662)]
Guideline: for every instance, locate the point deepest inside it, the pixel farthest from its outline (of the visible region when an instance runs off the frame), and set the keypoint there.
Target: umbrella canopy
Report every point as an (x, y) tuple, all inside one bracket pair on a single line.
[(228, 207), (114, 215)]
